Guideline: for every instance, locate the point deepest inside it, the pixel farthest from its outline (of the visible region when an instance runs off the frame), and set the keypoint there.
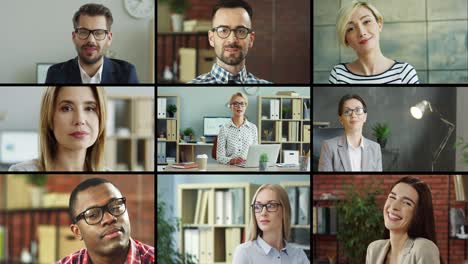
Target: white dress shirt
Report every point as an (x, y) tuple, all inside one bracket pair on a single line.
[(355, 155), (260, 252), (85, 78), (234, 141)]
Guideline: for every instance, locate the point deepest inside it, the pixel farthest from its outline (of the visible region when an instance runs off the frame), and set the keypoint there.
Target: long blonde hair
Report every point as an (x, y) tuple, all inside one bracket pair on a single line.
[(94, 160), (254, 230)]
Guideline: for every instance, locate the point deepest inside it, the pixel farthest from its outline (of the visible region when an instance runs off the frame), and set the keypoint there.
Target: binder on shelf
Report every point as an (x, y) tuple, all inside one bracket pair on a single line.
[(278, 131), (161, 152), (174, 130), (110, 126), (238, 206), (228, 207), (233, 239), (314, 220), (191, 243), (333, 220), (304, 199), (196, 219), (296, 109), (162, 107), (306, 133), (143, 116), (204, 208), (203, 245), (219, 212), (292, 194)]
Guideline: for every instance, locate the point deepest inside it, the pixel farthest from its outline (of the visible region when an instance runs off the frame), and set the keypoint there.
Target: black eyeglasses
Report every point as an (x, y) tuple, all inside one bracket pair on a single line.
[(94, 215), (83, 33), (224, 32), (357, 110), (270, 207)]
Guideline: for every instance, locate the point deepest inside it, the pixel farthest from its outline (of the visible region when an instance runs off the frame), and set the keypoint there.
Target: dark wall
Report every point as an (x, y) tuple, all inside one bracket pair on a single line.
[(416, 140)]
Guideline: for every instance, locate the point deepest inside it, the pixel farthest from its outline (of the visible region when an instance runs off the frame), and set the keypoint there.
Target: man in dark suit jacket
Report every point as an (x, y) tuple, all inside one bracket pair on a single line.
[(92, 37)]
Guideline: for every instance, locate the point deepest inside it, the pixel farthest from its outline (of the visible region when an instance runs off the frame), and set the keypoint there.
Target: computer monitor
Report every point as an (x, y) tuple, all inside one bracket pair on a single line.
[(211, 124), (18, 146), (318, 136)]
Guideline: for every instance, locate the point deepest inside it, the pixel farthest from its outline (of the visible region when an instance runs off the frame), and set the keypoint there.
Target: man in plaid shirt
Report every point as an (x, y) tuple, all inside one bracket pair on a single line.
[(99, 217), (231, 37)]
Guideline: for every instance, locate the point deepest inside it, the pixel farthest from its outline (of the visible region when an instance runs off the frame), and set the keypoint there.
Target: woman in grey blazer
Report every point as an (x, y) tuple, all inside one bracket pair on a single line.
[(409, 226), (352, 151)]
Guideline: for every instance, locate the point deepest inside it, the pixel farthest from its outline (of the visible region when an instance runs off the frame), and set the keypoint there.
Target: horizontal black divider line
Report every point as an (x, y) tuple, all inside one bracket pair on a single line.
[(86, 84), (391, 173), (391, 85)]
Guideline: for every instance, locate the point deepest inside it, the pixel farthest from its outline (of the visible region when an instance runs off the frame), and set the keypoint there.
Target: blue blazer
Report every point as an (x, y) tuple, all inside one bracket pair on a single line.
[(113, 72)]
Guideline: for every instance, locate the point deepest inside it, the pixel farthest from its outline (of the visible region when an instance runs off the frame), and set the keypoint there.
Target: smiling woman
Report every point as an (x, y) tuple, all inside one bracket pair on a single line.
[(352, 151), (359, 25), (72, 130), (409, 226)]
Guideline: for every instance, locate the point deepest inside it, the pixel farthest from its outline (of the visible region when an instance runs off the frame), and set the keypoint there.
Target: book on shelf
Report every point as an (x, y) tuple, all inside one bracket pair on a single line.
[(188, 165), (325, 220), (204, 208)]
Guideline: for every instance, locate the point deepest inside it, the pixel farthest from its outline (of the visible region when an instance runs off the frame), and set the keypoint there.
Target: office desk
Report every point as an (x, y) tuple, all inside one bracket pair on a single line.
[(222, 167)]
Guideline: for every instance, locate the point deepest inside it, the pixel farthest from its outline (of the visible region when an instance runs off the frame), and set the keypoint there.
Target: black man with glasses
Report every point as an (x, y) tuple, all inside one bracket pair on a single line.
[(351, 151), (231, 37), (92, 37), (99, 216)]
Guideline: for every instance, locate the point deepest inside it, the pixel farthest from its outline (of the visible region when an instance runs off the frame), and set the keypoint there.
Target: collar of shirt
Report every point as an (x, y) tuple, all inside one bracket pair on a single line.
[(355, 148), (222, 76), (85, 78), (246, 123), (267, 248), (133, 255)]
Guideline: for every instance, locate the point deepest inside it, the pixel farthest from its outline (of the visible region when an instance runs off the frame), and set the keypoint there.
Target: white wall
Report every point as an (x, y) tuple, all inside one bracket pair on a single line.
[(40, 31)]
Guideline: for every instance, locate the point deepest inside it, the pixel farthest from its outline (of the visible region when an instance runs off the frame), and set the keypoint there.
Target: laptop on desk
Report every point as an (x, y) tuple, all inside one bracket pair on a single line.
[(253, 156)]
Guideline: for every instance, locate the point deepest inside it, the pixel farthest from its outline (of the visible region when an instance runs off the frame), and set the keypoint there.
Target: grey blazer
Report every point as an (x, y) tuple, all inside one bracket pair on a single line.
[(334, 155), (415, 251)]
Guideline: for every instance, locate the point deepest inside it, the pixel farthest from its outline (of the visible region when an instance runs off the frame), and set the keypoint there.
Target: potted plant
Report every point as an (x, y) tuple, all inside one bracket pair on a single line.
[(167, 252), (286, 111), (360, 221), (188, 134), (37, 190), (171, 109), (177, 7), (381, 131), (263, 162)]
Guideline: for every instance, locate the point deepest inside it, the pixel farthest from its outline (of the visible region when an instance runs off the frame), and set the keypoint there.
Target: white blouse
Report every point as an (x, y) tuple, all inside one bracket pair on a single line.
[(234, 141)]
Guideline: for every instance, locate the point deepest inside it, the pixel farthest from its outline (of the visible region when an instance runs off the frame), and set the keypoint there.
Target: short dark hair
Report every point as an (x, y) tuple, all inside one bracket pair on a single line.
[(93, 10), (81, 187), (232, 4), (349, 97)]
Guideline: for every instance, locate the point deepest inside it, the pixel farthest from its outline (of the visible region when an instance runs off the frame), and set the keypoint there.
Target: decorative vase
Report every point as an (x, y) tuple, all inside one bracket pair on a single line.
[(263, 165), (177, 22), (382, 142)]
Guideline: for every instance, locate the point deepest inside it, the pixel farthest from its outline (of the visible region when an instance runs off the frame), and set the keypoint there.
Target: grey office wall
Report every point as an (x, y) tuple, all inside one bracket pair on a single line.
[(196, 102), (415, 139), (22, 104), (431, 35), (41, 31)]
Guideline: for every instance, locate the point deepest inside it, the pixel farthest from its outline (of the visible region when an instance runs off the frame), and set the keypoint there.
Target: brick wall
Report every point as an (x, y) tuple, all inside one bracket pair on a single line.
[(138, 189), (438, 183)]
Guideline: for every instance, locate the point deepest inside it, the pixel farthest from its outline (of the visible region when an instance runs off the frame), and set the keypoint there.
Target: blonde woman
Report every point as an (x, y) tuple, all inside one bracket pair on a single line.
[(235, 137), (72, 130), (269, 230), (359, 25)]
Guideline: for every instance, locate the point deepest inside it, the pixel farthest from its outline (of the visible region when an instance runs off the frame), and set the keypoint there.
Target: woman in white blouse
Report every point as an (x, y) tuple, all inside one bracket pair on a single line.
[(236, 136), (269, 229)]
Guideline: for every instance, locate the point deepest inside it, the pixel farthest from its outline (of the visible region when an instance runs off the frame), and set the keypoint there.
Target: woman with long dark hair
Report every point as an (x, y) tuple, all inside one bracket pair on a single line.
[(409, 226)]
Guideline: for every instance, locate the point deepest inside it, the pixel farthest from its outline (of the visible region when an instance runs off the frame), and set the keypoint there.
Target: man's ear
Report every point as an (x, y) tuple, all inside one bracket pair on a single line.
[(252, 39), (76, 231), (210, 38)]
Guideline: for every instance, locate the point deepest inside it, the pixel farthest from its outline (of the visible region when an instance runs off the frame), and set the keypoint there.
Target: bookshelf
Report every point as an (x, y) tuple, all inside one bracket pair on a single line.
[(168, 130), (130, 133), (300, 231), (215, 241), (324, 236), (284, 120)]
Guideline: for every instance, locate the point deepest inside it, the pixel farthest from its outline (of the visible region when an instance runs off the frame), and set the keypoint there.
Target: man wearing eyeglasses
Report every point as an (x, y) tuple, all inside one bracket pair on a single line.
[(92, 37), (231, 37), (100, 218)]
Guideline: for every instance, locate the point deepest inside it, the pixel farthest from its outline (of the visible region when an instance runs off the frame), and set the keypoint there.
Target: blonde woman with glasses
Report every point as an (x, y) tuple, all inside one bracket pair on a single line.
[(269, 230), (72, 130), (235, 137)]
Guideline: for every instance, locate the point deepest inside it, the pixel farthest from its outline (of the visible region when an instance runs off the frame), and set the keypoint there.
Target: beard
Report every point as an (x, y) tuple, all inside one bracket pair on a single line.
[(87, 59), (233, 59)]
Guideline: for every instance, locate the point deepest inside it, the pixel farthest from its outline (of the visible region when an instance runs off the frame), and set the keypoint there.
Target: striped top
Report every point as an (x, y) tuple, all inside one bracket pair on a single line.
[(400, 72)]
